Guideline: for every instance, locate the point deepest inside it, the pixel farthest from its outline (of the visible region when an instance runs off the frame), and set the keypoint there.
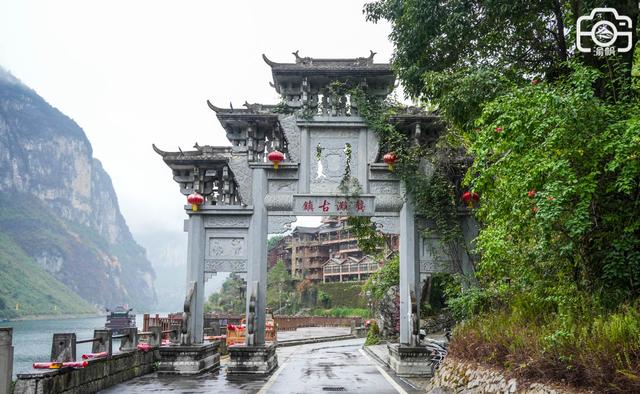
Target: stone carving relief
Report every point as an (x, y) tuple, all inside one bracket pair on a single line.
[(387, 224), (282, 186), (432, 267), (240, 168), (389, 202), (280, 224), (292, 134), (433, 257), (379, 172), (209, 275), (372, 147), (384, 187), (227, 221), (227, 247), (278, 202), (225, 265), (326, 173)]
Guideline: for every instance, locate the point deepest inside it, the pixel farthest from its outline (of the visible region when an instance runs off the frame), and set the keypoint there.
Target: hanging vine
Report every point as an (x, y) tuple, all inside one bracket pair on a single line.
[(434, 195)]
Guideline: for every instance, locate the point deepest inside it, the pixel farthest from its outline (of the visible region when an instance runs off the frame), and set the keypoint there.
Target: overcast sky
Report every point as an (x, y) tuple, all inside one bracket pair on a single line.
[(132, 73)]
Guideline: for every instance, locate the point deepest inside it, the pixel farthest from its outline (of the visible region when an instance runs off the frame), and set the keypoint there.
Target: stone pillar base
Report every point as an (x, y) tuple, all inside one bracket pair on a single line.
[(189, 360), (252, 360), (410, 361)]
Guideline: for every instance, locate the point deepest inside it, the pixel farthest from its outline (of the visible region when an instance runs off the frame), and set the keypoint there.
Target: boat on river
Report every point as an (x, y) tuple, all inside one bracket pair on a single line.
[(119, 318)]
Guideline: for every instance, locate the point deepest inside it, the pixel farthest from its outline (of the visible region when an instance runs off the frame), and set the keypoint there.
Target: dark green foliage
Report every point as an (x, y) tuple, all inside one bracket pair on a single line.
[(370, 241), (280, 287), (555, 139), (346, 295), (379, 283), (373, 335), (324, 299), (25, 284), (516, 39), (230, 299), (273, 241), (341, 312), (435, 196), (581, 228), (37, 230)]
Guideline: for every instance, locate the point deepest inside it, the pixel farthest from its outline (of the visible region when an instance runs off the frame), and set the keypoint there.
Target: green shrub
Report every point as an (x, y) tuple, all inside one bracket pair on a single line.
[(341, 312), (373, 335), (601, 352)]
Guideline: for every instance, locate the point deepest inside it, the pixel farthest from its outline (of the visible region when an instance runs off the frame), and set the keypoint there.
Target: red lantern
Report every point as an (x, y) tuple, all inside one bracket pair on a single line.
[(195, 199), (275, 157), (470, 198), (390, 158)]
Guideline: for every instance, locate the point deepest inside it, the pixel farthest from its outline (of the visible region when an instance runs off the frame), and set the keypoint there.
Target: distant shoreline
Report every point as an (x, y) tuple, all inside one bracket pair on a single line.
[(54, 317)]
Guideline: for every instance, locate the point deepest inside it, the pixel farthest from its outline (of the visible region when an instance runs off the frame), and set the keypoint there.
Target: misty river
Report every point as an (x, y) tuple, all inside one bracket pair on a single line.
[(32, 338)]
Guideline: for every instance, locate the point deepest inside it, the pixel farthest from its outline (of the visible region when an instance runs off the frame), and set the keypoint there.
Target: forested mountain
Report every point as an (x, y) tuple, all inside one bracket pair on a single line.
[(61, 231)]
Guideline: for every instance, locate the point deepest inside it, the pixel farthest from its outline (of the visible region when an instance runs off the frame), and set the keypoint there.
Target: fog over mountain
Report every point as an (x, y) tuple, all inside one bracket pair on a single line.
[(59, 210)]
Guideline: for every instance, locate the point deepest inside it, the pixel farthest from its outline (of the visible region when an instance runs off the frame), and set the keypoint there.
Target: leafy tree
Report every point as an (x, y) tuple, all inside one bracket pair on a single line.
[(279, 286), (570, 137), (324, 299), (230, 298), (554, 136), (383, 279), (560, 185), (273, 241), (515, 39)]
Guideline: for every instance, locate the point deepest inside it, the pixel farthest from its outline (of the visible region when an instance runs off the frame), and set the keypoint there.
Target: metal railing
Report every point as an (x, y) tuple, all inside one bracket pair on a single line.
[(64, 345)]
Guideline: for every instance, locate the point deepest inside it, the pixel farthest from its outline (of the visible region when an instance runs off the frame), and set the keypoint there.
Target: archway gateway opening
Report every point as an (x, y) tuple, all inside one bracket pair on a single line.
[(245, 196)]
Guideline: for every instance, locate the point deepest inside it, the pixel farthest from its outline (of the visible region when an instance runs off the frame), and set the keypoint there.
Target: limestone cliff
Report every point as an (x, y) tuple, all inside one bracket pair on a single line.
[(79, 235)]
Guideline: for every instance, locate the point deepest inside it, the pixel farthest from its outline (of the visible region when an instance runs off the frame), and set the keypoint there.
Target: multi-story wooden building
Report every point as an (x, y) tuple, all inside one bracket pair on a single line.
[(307, 250)]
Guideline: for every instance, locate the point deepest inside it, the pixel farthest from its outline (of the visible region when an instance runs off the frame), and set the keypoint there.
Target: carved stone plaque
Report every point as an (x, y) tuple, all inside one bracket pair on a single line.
[(225, 265), (387, 224), (227, 221), (328, 150), (226, 250), (433, 257), (328, 205), (227, 247)]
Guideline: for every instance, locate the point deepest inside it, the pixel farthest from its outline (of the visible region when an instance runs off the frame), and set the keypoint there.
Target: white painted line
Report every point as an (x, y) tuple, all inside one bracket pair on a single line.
[(272, 379), (389, 379)]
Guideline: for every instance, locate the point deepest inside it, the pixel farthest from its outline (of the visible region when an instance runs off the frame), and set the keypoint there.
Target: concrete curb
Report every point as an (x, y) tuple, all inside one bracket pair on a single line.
[(375, 356), (296, 342)]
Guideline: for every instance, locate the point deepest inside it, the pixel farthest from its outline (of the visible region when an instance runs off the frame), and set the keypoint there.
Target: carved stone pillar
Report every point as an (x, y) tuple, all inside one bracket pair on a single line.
[(257, 267), (409, 269), (195, 273)]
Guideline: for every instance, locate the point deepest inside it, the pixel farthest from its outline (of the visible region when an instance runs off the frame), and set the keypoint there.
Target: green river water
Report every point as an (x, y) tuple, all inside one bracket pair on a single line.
[(32, 338)]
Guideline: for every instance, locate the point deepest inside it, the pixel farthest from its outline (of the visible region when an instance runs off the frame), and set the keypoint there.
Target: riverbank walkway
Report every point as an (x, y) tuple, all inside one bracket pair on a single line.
[(312, 368)]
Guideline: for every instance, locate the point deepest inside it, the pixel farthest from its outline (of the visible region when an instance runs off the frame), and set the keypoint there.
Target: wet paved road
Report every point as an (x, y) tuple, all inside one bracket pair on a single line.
[(328, 367), (315, 368)]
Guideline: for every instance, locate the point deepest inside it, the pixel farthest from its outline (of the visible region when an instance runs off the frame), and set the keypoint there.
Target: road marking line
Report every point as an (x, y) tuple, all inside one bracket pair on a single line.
[(273, 378), (389, 379)]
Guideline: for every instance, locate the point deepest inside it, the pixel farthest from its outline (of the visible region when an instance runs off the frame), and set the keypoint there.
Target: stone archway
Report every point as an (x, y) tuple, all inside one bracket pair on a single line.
[(246, 198)]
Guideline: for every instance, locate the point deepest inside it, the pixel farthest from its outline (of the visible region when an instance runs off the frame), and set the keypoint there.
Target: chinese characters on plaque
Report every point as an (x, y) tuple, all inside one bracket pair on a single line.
[(334, 205)]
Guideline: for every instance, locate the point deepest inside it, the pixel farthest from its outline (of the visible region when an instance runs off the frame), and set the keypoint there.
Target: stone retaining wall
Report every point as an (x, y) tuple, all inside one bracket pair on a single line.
[(98, 375), (292, 323), (456, 376), (438, 323)]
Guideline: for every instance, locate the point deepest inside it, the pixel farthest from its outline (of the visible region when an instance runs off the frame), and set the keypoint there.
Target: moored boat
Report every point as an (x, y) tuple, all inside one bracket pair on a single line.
[(119, 318)]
